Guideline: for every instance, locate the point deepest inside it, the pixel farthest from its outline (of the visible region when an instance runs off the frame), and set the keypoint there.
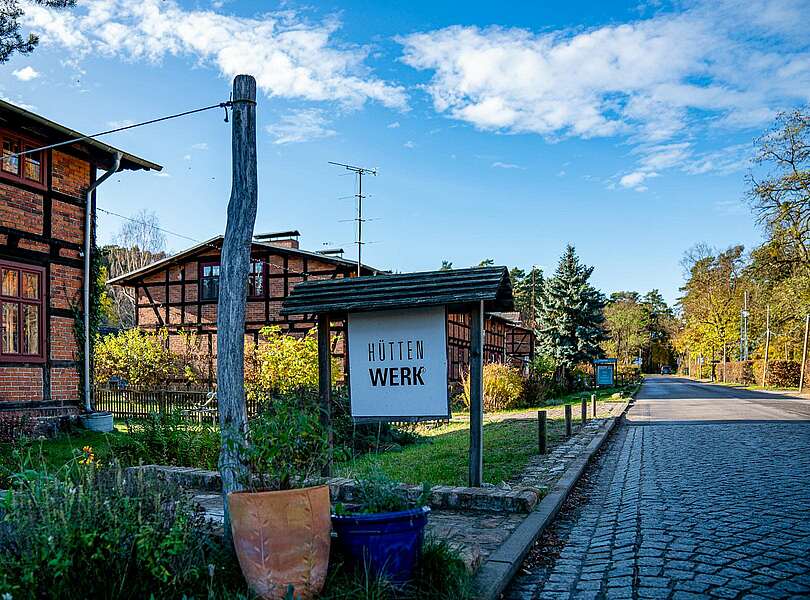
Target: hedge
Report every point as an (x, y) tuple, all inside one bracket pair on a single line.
[(781, 373)]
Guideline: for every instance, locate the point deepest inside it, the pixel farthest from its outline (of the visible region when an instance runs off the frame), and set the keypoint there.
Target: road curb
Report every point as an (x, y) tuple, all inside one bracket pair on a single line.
[(495, 574)]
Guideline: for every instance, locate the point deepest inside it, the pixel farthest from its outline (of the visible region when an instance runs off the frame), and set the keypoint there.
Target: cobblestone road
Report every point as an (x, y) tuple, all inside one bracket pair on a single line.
[(689, 509)]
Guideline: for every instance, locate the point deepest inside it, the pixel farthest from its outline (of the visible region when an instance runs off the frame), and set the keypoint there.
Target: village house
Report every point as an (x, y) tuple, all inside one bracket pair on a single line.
[(180, 293), (43, 202)]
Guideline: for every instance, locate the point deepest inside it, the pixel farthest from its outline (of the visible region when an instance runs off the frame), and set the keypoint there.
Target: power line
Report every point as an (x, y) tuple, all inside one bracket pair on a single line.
[(195, 240), (224, 105), (146, 224)]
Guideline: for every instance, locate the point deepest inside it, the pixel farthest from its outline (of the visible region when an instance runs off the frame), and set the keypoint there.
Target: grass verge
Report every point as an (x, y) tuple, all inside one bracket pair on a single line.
[(441, 455)]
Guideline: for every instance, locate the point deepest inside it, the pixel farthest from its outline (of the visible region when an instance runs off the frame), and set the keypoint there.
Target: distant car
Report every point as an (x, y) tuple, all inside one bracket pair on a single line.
[(666, 370)]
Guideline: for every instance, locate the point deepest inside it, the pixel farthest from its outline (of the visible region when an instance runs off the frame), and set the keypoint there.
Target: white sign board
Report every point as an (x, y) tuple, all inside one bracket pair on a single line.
[(398, 363)]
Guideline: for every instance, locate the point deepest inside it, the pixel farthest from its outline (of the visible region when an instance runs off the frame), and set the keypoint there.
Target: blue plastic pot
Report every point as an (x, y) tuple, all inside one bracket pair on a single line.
[(387, 543)]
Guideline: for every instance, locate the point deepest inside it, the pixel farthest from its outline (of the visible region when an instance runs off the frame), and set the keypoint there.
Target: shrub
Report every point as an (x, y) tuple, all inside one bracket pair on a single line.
[(141, 359), (503, 386), (168, 439), (440, 575), (378, 493), (84, 530), (283, 364), (540, 384), (628, 373), (741, 372), (287, 445), (353, 439), (781, 373)]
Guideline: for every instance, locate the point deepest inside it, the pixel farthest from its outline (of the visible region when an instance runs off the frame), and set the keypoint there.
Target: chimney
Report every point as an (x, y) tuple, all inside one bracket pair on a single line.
[(285, 239)]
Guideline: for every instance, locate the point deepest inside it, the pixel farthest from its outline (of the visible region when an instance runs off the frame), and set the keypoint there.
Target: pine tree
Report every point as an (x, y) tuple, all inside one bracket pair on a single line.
[(11, 40), (526, 289), (570, 316)]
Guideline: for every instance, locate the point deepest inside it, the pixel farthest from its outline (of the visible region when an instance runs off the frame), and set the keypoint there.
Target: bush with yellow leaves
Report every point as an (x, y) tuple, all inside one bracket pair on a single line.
[(503, 386)]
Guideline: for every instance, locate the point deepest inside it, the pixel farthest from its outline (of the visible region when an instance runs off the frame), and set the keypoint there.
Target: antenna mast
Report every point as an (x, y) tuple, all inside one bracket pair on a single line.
[(360, 171)]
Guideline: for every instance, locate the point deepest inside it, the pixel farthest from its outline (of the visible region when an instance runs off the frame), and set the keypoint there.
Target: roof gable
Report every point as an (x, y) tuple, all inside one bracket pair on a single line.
[(215, 243)]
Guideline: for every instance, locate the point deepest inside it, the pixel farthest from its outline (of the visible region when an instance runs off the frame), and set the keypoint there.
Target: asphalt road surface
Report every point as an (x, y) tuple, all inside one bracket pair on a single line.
[(704, 492)]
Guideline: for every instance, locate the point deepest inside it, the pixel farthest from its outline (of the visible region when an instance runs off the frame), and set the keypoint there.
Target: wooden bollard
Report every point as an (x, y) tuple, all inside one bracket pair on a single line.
[(542, 438), (593, 404), (567, 420), (584, 411)]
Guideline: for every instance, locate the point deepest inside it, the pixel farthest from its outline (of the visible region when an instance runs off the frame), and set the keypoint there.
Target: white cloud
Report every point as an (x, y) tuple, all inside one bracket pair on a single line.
[(200, 146), (300, 126), (655, 81), (636, 179), (18, 102), (26, 73), (162, 174), (290, 57), (119, 124), (409, 144), (394, 125), (503, 165)]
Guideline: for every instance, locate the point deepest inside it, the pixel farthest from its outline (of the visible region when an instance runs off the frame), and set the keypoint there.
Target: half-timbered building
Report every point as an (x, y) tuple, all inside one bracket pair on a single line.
[(180, 294), (43, 202)]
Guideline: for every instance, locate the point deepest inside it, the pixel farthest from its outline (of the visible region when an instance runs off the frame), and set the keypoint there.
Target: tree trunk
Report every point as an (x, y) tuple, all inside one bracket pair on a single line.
[(234, 266)]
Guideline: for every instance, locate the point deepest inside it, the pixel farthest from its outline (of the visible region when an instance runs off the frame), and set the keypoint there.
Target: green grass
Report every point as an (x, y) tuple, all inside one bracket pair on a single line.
[(58, 451), (442, 455), (439, 457)]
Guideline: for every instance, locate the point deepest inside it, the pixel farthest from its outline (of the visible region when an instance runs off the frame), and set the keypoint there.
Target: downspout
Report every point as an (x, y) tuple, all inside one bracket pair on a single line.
[(88, 222)]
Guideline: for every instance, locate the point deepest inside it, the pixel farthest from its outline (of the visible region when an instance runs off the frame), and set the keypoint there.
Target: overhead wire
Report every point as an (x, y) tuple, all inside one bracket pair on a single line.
[(195, 240), (224, 105)]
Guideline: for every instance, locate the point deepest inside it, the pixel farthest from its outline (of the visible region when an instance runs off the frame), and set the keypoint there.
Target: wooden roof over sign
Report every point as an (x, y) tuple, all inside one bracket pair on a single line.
[(455, 287)]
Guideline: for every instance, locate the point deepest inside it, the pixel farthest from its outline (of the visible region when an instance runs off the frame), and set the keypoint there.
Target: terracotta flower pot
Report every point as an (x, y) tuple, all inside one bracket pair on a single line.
[(282, 539)]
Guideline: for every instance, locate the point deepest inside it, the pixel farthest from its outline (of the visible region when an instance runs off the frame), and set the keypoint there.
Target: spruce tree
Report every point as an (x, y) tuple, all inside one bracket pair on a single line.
[(570, 316)]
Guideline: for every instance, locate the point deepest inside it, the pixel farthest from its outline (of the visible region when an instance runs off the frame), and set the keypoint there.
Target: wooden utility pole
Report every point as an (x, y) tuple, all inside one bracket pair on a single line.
[(804, 353), (767, 344), (234, 267), (476, 394)]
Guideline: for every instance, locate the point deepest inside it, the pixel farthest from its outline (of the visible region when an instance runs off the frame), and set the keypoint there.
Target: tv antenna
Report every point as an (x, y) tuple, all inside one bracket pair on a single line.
[(360, 171)]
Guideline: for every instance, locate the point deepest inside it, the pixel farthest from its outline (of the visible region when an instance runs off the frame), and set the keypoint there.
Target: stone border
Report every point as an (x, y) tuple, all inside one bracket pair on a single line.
[(487, 499), (495, 574)]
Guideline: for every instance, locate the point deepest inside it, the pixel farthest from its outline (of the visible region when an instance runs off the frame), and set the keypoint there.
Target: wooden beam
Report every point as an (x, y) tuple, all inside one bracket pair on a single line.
[(476, 394)]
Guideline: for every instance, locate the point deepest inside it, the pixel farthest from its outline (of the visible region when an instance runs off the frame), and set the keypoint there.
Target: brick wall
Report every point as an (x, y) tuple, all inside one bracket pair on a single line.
[(70, 175), (20, 209), (20, 384), (62, 342), (68, 222), (66, 286), (64, 384)]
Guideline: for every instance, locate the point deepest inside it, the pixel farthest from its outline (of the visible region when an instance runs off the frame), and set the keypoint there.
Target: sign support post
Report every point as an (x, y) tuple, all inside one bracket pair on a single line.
[(325, 383), (476, 394)]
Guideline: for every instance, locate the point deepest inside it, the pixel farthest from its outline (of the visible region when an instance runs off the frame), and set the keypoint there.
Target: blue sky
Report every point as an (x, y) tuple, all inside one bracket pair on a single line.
[(500, 130)]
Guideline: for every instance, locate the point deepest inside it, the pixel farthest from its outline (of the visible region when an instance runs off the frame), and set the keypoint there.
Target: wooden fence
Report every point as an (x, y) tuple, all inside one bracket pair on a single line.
[(134, 403)]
